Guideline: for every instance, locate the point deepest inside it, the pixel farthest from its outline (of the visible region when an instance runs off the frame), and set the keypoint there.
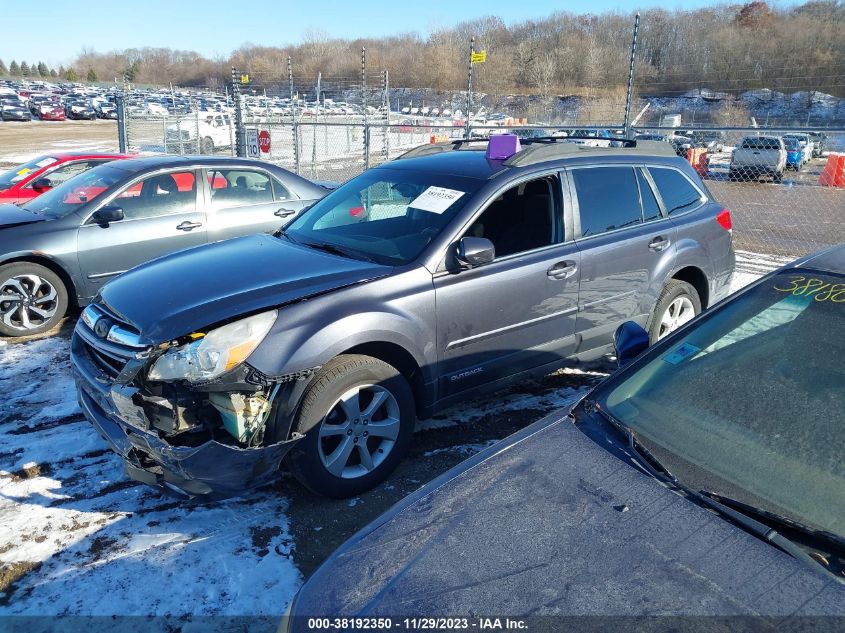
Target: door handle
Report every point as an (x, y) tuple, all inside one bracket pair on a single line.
[(562, 270), (659, 244), (283, 213), (189, 226)]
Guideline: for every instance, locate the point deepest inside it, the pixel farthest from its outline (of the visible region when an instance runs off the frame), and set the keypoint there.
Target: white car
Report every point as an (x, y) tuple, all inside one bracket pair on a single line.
[(212, 131)]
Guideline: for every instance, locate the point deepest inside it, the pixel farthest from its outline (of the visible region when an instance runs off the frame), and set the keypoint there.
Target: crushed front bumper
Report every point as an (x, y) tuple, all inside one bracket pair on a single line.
[(211, 470)]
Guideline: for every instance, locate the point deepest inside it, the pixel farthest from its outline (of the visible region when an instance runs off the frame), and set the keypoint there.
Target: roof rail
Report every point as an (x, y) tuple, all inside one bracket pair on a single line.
[(437, 148), (546, 148), (542, 151)]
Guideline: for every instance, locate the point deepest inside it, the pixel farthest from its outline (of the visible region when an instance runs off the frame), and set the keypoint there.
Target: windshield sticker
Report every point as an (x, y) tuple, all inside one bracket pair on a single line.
[(23, 172), (814, 289), (436, 199), (682, 353), (45, 162)]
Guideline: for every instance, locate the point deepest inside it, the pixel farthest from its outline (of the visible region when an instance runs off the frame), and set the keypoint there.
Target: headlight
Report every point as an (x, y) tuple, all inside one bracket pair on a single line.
[(217, 352)]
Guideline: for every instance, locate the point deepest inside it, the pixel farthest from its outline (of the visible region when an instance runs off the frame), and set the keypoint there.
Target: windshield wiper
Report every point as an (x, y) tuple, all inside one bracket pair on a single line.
[(755, 527), (337, 250)]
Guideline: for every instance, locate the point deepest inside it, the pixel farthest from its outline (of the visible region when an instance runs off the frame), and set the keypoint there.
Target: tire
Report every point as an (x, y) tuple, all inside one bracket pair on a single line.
[(40, 299), (206, 145), (777, 177), (676, 295), (329, 460)]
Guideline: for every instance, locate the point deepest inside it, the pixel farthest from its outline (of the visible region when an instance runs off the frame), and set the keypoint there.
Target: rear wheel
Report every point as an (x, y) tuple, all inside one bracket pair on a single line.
[(678, 303), (358, 417), (33, 299)]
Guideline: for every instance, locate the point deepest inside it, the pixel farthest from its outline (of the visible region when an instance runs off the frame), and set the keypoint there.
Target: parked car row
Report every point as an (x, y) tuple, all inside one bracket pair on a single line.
[(770, 155)]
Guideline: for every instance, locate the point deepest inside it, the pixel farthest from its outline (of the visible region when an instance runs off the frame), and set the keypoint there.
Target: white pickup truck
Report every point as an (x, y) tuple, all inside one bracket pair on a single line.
[(756, 156), (200, 133)]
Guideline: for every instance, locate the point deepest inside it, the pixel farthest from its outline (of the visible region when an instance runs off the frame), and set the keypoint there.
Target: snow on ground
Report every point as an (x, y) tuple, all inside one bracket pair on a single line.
[(80, 538), (71, 516)]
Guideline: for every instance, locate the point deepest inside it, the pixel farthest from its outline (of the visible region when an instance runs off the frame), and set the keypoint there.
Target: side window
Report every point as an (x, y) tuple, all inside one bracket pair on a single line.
[(66, 172), (162, 194), (608, 199), (676, 191), (239, 187), (280, 191), (521, 219), (651, 210)]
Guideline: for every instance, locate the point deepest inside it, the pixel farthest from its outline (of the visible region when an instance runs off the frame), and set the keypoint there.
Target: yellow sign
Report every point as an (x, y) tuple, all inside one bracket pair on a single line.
[(478, 58), (244, 79)]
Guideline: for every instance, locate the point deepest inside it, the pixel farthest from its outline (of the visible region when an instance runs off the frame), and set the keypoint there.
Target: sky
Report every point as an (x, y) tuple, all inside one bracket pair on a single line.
[(55, 31)]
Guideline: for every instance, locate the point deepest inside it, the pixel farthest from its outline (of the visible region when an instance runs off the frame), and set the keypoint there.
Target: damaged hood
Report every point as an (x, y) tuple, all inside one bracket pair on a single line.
[(13, 215), (548, 522), (195, 288)]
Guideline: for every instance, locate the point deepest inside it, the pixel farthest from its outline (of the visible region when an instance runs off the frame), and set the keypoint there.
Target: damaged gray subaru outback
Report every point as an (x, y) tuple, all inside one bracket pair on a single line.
[(454, 269)]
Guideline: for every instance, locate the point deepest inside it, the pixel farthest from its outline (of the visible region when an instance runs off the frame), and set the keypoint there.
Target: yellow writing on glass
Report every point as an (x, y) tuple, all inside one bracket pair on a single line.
[(818, 289)]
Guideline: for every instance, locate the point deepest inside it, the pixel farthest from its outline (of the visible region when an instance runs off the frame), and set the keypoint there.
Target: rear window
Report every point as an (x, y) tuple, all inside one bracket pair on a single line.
[(760, 142), (677, 192)]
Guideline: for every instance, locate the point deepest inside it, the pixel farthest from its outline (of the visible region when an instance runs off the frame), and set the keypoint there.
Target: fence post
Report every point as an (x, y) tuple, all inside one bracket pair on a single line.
[(314, 130), (469, 86), (121, 122), (239, 115), (197, 126), (295, 129), (386, 103), (630, 94), (364, 107)]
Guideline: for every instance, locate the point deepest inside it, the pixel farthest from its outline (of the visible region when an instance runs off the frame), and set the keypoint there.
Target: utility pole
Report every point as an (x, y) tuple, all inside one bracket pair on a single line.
[(469, 85), (630, 95), (293, 115)]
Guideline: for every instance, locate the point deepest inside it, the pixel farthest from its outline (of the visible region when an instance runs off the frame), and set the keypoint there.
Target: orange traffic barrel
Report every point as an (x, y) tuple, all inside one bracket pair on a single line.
[(833, 174)]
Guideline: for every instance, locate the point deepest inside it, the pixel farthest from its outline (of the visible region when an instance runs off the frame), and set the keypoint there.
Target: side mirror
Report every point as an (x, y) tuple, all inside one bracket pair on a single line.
[(108, 214), (476, 251), (42, 184), (630, 340)]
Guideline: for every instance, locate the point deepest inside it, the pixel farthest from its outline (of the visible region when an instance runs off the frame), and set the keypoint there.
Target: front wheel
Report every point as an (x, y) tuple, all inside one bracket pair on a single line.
[(33, 299), (358, 417), (678, 304)]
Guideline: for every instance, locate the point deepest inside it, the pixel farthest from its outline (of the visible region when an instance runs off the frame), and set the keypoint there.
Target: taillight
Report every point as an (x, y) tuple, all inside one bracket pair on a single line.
[(724, 219)]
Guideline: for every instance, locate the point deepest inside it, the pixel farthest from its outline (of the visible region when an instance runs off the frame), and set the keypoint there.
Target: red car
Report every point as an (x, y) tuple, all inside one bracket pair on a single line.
[(51, 112), (41, 174)]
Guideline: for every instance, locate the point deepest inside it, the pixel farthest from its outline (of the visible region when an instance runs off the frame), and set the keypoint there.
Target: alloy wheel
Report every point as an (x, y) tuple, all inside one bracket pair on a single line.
[(359, 431), (679, 312), (27, 302)]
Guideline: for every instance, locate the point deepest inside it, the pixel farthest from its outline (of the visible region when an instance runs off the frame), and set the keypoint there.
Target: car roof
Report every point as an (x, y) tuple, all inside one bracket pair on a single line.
[(142, 163), (830, 260), (470, 159), (64, 157)]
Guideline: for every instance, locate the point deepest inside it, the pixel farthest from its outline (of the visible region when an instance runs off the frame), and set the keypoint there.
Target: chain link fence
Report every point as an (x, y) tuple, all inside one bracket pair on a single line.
[(786, 200)]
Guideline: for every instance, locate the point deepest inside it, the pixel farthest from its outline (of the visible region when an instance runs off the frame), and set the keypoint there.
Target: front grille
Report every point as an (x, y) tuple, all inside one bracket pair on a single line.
[(111, 365), (110, 356)]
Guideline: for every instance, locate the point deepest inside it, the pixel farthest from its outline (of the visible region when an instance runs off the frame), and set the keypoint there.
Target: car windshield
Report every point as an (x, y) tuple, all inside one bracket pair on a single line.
[(79, 190), (385, 215), (749, 402), (16, 174)]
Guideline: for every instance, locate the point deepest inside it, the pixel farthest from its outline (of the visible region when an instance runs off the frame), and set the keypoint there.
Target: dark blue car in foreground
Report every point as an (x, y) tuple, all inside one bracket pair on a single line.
[(705, 478)]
